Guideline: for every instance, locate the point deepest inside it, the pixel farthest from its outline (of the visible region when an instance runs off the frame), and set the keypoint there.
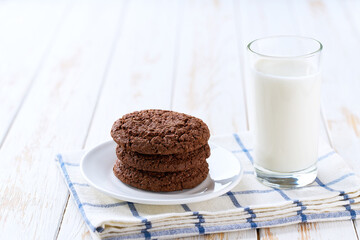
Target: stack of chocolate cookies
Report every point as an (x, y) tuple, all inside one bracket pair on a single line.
[(161, 150)]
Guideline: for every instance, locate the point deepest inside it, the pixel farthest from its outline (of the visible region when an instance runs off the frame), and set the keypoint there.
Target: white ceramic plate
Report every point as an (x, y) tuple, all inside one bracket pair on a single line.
[(225, 173)]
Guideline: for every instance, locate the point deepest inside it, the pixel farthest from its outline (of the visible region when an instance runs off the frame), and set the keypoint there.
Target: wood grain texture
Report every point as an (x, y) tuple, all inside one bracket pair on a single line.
[(139, 77), (304, 231), (38, 23), (73, 225), (208, 78), (141, 70), (357, 227), (59, 103)]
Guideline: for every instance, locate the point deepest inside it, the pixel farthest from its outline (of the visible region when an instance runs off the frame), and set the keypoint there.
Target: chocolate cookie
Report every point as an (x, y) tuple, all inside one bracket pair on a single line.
[(160, 132), (164, 163), (161, 182)]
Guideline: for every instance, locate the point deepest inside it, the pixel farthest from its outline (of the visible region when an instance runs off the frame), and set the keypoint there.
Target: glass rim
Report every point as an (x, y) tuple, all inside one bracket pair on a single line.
[(312, 53)]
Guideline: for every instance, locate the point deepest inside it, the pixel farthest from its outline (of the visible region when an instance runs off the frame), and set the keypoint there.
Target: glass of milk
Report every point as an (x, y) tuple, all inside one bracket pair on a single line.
[(285, 80)]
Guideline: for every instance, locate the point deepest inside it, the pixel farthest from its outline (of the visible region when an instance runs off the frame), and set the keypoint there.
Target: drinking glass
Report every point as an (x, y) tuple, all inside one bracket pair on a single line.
[(285, 79)]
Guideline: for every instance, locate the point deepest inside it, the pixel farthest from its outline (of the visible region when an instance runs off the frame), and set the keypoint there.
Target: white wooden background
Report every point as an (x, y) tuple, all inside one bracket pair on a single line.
[(69, 68)]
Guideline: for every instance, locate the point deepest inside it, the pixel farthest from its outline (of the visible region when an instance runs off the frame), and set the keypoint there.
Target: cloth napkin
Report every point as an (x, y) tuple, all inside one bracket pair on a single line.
[(333, 196)]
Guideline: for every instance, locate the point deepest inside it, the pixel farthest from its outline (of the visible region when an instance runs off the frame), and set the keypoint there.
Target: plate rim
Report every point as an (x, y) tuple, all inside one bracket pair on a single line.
[(147, 201)]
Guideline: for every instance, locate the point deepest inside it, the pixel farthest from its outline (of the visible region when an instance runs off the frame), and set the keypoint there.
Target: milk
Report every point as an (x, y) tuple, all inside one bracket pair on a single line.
[(287, 110)]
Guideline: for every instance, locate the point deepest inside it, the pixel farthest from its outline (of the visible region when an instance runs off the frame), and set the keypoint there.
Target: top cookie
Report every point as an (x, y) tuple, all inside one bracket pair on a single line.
[(160, 132)]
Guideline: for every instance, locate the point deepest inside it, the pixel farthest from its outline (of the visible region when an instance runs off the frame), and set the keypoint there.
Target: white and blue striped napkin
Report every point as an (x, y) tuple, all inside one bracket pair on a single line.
[(333, 196)]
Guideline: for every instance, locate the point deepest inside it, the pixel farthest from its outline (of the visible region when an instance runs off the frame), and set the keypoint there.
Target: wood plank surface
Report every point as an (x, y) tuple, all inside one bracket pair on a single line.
[(330, 230), (61, 100), (38, 23), (208, 80)]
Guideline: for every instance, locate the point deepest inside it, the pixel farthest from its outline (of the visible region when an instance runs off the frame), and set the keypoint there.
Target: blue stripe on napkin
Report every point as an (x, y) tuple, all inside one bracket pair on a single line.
[(198, 216), (74, 193), (243, 148), (147, 223)]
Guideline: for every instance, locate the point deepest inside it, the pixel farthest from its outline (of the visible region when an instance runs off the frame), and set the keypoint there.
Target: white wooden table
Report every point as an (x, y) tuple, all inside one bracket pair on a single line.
[(69, 68)]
